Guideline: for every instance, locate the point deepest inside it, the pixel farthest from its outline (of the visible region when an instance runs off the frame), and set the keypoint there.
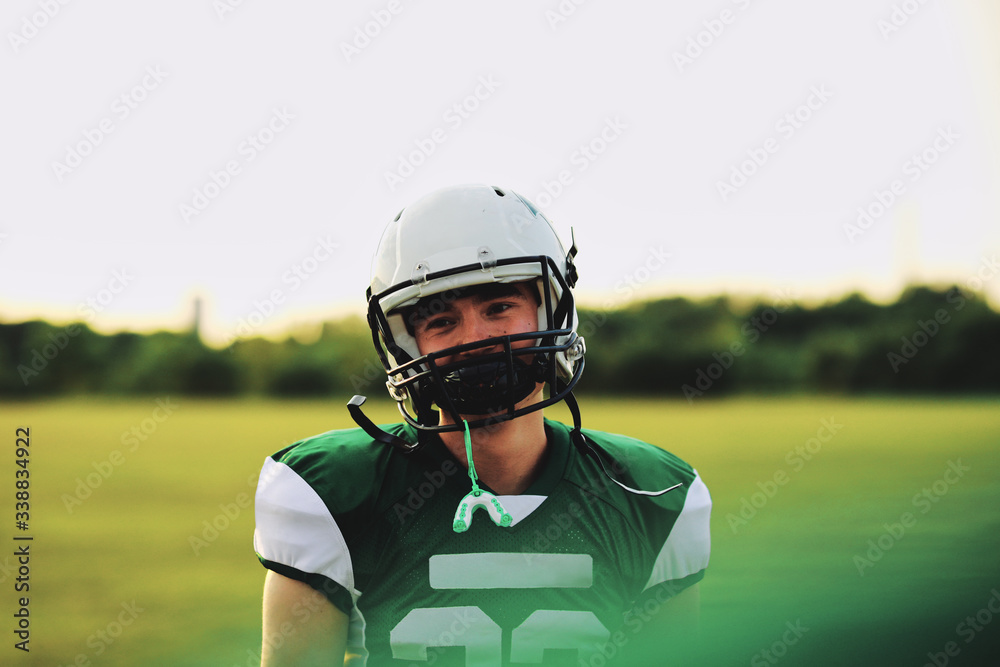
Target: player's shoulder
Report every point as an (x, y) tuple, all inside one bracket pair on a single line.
[(640, 456), (635, 463), (342, 447), (343, 467)]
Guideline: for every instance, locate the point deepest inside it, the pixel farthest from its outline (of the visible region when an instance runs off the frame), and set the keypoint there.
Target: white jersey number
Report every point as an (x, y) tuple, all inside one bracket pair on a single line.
[(472, 628)]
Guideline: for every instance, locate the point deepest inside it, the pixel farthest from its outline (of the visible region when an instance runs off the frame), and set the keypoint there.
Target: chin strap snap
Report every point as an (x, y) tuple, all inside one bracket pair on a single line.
[(477, 497)]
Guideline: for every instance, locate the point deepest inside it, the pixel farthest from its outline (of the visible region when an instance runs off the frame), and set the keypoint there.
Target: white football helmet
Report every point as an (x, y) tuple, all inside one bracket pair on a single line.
[(453, 239)]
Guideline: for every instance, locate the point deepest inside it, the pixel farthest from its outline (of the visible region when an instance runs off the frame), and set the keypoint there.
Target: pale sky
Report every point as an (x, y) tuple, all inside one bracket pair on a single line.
[(117, 114)]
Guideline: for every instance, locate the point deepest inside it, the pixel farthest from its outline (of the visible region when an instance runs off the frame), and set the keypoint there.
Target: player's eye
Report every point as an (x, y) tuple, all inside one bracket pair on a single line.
[(498, 307), (437, 323)]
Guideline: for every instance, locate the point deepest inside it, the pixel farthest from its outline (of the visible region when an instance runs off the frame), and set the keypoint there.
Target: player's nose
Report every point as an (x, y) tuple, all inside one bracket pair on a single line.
[(474, 329)]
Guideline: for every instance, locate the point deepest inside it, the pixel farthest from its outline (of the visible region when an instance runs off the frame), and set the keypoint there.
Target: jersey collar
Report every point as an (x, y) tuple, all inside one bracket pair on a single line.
[(558, 451)]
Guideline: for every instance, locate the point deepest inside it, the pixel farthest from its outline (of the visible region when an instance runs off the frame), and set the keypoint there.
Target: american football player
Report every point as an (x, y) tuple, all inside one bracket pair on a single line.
[(476, 531)]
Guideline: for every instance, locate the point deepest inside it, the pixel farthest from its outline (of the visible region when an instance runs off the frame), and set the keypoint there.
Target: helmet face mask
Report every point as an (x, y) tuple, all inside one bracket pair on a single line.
[(480, 236), (481, 388)]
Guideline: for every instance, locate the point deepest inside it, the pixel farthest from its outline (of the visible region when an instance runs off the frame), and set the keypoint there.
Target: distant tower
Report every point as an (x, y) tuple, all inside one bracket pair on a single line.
[(907, 244), (196, 318)]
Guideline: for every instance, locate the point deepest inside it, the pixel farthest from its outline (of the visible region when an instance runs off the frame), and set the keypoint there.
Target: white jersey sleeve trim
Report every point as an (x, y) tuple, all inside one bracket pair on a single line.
[(295, 528), (686, 550)]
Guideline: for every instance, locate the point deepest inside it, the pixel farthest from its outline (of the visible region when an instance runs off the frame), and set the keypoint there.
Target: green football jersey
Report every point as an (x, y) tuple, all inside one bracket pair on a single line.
[(371, 528)]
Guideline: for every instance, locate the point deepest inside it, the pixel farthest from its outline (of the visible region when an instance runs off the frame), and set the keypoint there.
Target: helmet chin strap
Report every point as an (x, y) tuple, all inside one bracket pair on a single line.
[(580, 440), (373, 431), (477, 497)]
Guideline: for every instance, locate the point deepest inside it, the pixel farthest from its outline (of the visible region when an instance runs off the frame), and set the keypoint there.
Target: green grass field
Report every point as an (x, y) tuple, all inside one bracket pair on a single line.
[(128, 570)]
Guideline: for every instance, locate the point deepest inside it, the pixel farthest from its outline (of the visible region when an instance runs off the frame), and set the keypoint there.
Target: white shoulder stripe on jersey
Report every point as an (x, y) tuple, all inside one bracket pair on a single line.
[(295, 528), (687, 548)]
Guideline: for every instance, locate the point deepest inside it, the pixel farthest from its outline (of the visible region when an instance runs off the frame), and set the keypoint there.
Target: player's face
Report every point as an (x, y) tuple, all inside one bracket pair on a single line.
[(511, 309)]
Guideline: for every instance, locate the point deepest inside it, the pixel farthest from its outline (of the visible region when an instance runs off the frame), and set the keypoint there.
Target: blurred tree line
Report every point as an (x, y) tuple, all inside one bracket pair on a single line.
[(928, 341)]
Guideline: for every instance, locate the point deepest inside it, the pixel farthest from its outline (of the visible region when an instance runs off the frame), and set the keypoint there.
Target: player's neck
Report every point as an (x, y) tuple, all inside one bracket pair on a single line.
[(508, 456)]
